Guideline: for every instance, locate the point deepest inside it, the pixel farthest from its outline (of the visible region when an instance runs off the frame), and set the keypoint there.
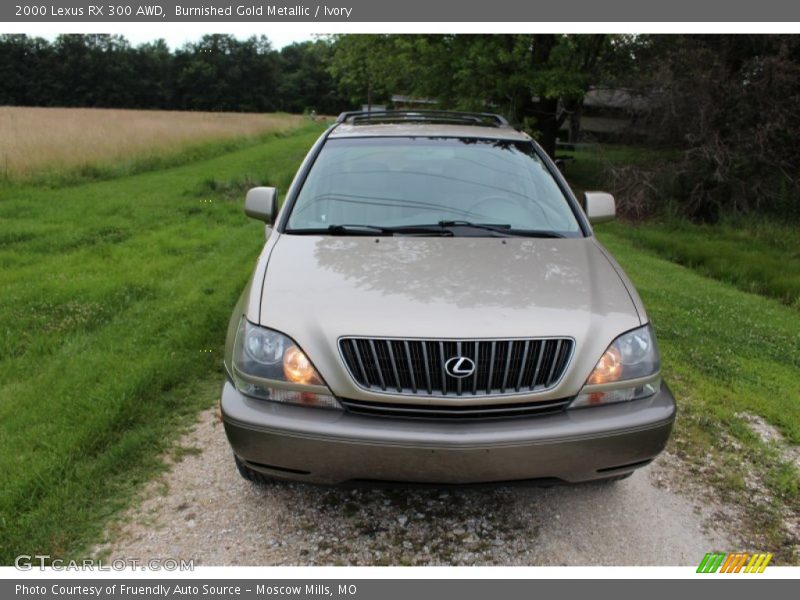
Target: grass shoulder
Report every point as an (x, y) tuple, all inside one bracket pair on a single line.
[(116, 295), (732, 359), (756, 255)]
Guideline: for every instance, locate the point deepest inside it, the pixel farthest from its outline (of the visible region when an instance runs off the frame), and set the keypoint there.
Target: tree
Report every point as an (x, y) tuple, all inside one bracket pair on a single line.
[(732, 104), (304, 81), (153, 76), (92, 70), (361, 64), (220, 72), (23, 62), (536, 80)]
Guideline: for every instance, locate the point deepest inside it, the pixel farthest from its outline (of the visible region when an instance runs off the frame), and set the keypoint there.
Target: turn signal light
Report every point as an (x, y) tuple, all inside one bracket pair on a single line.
[(297, 367), (608, 369)]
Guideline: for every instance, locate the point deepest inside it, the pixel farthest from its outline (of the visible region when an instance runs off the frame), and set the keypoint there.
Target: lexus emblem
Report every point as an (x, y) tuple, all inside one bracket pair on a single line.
[(459, 367)]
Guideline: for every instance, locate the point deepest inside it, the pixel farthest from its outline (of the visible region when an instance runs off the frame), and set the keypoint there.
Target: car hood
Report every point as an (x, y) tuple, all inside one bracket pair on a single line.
[(320, 288)]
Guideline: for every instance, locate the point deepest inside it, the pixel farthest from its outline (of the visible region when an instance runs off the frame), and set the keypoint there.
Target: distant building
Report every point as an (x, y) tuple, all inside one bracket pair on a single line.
[(399, 101), (410, 102), (607, 113), (373, 108)]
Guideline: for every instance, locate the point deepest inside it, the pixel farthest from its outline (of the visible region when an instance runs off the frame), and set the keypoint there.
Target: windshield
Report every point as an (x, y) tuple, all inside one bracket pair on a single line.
[(398, 182)]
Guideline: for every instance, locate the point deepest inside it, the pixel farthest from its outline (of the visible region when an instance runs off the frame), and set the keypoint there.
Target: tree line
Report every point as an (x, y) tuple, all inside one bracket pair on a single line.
[(728, 105), (216, 73)]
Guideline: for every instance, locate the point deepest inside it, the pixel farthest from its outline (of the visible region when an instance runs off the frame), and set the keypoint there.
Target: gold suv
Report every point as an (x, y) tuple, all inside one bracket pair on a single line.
[(431, 306)]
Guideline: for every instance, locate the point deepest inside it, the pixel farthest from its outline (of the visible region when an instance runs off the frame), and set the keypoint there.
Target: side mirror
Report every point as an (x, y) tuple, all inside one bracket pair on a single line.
[(261, 203), (599, 206)]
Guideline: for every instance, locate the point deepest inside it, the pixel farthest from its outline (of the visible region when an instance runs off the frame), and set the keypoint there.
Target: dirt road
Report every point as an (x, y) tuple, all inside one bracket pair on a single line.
[(203, 510)]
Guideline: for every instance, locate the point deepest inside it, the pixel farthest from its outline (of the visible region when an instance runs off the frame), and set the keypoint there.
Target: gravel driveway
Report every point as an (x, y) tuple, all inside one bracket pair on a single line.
[(202, 509)]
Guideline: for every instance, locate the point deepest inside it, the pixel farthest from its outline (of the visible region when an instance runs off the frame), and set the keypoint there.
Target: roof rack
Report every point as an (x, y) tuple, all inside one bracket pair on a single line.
[(422, 116)]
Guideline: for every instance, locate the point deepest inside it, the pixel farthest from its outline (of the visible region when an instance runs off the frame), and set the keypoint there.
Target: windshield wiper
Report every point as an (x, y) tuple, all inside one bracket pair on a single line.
[(346, 229), (356, 230), (501, 229), (442, 228), (376, 229)]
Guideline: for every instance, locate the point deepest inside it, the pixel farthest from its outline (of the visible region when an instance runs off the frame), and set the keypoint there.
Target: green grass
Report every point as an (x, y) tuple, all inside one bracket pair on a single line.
[(756, 254), (724, 351), (111, 292), (724, 302), (745, 346), (114, 290), (759, 256)]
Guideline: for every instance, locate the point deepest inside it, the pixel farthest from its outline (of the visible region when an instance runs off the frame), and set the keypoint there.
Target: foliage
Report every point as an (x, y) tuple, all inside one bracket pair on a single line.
[(756, 254), (217, 73), (535, 79), (304, 83), (732, 104), (641, 179), (728, 104), (222, 73), (365, 66)]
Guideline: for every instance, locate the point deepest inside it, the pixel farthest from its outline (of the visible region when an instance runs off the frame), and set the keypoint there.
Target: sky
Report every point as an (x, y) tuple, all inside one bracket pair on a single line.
[(179, 33)]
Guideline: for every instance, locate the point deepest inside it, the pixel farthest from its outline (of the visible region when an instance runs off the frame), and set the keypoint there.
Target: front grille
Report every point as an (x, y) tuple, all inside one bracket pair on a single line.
[(419, 367), (454, 412)]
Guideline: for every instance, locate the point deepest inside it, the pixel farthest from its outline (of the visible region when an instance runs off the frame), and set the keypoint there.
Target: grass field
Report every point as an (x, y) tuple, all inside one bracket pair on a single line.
[(112, 294), (116, 295), (37, 142), (726, 354), (756, 254)]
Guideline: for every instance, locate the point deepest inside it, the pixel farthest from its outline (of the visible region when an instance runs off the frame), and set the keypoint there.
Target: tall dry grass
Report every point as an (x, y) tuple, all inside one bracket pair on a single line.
[(35, 140)]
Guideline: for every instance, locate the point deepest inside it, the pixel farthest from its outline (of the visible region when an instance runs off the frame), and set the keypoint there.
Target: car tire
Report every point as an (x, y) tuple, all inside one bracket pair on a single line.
[(250, 474)]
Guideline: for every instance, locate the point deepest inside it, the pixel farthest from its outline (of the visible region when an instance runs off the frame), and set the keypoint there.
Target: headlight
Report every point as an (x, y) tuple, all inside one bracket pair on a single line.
[(270, 366), (631, 358)]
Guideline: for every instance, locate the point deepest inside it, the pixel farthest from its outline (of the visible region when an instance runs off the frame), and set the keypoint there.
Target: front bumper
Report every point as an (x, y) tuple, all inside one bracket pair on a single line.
[(327, 446)]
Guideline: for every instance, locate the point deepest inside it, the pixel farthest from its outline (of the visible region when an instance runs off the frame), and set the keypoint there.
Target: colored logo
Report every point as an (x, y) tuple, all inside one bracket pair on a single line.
[(738, 562)]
